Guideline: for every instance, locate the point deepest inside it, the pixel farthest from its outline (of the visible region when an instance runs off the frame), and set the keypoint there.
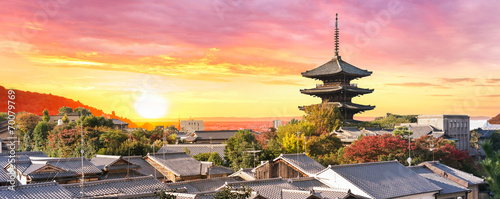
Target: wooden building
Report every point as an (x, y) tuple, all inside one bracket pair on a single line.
[(337, 89), (288, 166)]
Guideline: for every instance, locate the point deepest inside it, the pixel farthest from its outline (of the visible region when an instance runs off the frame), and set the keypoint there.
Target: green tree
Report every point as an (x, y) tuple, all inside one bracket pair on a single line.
[(236, 150), (27, 141), (3, 116), (112, 140), (65, 119), (495, 140), (216, 159), (403, 131), (65, 110), (390, 120), (46, 117), (40, 134), (230, 192), (326, 118), (491, 166), (272, 150), (82, 111), (323, 145), (474, 141)]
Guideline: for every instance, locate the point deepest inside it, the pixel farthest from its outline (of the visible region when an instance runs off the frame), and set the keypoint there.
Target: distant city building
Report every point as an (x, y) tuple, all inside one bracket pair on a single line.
[(276, 123), (190, 126), (211, 137), (337, 89), (455, 127)]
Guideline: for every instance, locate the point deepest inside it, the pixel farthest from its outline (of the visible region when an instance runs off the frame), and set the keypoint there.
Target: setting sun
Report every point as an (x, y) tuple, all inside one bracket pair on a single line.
[(151, 106)]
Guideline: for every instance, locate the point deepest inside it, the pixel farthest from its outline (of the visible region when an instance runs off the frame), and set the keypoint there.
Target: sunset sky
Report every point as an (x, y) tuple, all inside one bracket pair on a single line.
[(235, 58)]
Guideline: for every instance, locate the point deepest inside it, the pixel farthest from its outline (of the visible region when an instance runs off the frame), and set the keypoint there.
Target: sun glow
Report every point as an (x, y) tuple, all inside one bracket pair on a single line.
[(151, 106)]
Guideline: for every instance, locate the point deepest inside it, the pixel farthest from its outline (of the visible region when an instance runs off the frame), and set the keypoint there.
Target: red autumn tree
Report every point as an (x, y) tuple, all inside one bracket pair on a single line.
[(376, 148)]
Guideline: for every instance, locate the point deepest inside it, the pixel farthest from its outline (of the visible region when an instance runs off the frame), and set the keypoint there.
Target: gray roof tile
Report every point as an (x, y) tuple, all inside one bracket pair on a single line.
[(268, 188), (327, 193), (204, 185), (180, 164), (145, 167), (4, 176), (387, 179), (46, 190), (445, 184), (307, 183), (136, 185), (302, 162), (108, 163), (195, 149), (471, 179)]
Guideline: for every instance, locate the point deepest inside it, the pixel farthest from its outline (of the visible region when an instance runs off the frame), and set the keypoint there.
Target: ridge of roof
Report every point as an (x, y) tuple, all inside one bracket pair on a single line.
[(109, 181)]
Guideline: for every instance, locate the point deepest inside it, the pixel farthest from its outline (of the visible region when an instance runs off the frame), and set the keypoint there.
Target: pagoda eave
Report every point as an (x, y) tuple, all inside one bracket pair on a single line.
[(351, 91)]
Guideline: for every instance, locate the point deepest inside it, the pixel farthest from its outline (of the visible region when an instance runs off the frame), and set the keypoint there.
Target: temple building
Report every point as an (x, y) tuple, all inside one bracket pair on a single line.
[(337, 89)]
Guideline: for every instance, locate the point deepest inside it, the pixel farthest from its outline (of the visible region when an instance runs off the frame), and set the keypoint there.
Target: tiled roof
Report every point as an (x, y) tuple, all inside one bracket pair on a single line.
[(46, 190), (210, 184), (307, 183), (302, 162), (136, 185), (123, 174), (245, 173), (448, 186), (219, 170), (22, 162), (73, 165), (388, 179), (328, 193), (118, 122), (351, 106), (421, 130), (195, 149), (107, 162), (4, 176), (268, 188), (377, 131), (180, 164), (336, 66), (469, 178), (298, 194), (215, 135), (145, 167), (325, 89), (28, 153)]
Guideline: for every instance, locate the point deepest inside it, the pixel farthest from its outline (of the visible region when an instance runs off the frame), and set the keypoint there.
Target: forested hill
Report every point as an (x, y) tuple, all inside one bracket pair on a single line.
[(495, 120), (36, 102)]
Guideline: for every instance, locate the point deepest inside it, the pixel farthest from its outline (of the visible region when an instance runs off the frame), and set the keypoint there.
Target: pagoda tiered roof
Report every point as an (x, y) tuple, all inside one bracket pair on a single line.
[(335, 67), (334, 89), (347, 106)]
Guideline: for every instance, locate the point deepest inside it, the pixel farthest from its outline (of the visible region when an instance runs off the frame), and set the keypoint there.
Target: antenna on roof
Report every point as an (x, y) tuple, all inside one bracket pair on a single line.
[(82, 153), (336, 35)]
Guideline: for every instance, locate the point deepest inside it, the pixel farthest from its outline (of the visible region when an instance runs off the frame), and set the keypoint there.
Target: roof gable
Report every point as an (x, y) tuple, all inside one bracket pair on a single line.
[(302, 162), (461, 177), (387, 179), (180, 164)]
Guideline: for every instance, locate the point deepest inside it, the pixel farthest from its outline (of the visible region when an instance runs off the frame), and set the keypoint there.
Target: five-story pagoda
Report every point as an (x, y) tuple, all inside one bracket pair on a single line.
[(337, 88)]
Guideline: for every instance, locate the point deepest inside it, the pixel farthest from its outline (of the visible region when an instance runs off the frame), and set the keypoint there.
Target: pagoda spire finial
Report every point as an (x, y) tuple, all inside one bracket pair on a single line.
[(336, 35)]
